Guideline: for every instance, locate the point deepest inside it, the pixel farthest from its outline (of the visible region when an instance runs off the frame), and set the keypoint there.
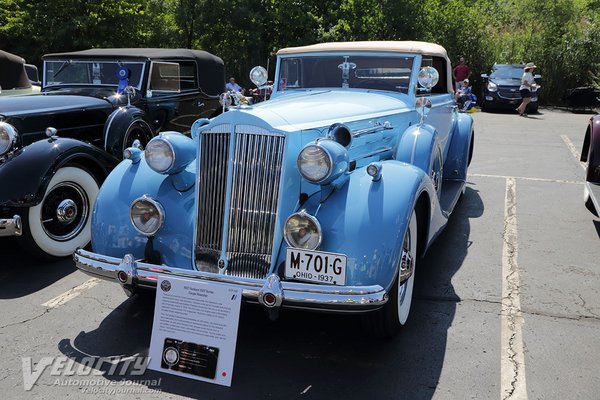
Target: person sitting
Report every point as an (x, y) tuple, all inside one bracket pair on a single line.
[(234, 87), (464, 96)]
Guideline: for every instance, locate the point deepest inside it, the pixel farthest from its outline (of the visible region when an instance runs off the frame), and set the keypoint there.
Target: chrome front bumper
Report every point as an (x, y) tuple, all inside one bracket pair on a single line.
[(11, 226), (270, 292)]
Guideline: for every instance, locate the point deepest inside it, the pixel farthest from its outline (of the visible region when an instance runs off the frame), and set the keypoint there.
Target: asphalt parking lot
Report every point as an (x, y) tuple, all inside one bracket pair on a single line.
[(507, 302)]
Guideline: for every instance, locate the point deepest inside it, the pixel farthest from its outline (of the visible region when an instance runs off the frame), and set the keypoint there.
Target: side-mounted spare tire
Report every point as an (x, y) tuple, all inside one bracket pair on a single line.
[(124, 126)]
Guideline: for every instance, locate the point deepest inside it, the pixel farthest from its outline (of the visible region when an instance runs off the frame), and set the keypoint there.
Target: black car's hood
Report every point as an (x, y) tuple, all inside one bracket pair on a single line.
[(13, 106), (506, 81)]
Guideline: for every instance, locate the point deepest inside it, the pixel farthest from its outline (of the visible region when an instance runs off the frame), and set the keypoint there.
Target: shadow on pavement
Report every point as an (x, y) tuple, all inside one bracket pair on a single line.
[(21, 275), (325, 356)]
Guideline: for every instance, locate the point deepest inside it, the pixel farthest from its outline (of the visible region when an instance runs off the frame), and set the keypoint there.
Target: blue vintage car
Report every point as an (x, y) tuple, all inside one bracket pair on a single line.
[(321, 198)]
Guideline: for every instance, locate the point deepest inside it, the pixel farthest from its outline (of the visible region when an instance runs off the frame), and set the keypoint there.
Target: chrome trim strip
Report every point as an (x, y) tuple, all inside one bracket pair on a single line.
[(11, 226), (365, 131), (294, 294)]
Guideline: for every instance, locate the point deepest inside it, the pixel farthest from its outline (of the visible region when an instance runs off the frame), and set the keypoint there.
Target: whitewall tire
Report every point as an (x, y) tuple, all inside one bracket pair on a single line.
[(387, 321), (61, 222)]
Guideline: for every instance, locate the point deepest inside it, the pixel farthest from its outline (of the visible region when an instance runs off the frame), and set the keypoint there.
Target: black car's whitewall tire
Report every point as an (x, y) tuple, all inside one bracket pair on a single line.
[(388, 320), (61, 222)]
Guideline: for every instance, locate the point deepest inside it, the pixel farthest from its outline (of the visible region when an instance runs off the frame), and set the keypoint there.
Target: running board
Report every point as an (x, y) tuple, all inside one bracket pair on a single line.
[(451, 191)]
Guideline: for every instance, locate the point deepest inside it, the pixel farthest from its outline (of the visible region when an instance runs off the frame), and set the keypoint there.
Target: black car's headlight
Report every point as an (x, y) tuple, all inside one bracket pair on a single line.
[(8, 137), (492, 87), (147, 215)]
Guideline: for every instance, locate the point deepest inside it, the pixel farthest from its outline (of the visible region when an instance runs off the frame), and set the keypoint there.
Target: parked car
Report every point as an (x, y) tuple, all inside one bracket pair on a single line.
[(17, 77), (94, 104), (321, 198), (590, 153), (501, 88)]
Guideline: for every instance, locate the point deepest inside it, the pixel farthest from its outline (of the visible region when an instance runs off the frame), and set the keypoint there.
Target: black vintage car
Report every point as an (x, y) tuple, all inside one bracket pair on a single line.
[(57, 147), (501, 88)]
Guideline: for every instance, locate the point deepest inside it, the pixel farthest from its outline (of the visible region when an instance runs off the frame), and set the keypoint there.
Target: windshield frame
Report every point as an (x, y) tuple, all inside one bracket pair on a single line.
[(412, 58), (138, 87)]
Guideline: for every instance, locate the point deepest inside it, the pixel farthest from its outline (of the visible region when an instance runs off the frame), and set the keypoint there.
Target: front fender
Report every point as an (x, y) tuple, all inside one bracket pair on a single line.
[(25, 174), (112, 231), (366, 220)]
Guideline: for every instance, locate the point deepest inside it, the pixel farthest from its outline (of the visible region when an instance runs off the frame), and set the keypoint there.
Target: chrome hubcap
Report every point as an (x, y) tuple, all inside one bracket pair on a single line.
[(407, 263), (66, 211)]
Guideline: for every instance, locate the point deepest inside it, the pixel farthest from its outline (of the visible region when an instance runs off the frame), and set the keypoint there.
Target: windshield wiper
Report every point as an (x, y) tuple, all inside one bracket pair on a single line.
[(62, 67)]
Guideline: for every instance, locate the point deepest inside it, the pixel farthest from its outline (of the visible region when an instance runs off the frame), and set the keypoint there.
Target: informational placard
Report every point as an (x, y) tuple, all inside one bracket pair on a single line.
[(195, 329)]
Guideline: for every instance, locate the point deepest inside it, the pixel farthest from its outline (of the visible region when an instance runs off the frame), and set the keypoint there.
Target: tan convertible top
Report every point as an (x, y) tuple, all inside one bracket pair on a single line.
[(388, 46)]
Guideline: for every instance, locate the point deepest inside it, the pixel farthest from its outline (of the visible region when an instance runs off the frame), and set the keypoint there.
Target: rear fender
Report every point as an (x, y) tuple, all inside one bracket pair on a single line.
[(366, 220), (25, 175), (461, 149)]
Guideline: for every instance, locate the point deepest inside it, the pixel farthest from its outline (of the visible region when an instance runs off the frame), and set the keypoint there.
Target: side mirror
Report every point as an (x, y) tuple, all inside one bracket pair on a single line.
[(484, 76), (537, 76)]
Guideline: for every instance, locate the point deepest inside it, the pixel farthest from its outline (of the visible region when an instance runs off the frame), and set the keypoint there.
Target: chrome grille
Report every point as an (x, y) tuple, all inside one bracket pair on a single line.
[(212, 183), (256, 162)]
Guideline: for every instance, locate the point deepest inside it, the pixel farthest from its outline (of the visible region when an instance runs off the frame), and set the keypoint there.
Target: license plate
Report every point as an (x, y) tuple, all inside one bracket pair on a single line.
[(315, 266)]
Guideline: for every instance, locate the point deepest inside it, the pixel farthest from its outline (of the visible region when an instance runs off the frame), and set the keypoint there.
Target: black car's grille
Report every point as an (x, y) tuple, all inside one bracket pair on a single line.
[(255, 168), (510, 94)]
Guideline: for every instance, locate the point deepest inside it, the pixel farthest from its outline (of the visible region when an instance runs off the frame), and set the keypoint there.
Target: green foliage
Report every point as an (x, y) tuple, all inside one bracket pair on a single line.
[(561, 36)]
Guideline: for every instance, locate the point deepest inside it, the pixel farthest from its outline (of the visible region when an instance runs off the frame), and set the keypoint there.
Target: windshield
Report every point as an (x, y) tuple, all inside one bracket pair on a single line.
[(343, 71), (90, 72), (507, 72)]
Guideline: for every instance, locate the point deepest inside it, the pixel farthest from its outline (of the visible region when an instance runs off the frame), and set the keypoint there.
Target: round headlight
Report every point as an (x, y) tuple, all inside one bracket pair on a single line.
[(160, 155), (8, 137), (492, 87), (147, 215), (314, 163), (302, 231)]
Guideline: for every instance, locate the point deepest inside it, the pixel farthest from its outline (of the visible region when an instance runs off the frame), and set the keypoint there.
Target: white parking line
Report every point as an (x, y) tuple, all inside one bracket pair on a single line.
[(526, 178), (573, 150), (512, 372), (71, 294)]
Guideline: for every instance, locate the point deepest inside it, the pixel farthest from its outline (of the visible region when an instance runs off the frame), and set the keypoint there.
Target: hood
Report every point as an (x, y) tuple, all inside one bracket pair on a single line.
[(294, 112), (48, 104), (506, 81)]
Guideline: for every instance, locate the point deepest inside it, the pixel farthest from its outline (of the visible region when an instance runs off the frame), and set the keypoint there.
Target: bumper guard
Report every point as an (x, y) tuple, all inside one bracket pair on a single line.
[(11, 226)]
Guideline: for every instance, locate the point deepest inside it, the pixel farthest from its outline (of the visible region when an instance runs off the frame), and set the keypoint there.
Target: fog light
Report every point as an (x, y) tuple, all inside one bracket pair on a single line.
[(302, 231), (489, 98), (146, 215)]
